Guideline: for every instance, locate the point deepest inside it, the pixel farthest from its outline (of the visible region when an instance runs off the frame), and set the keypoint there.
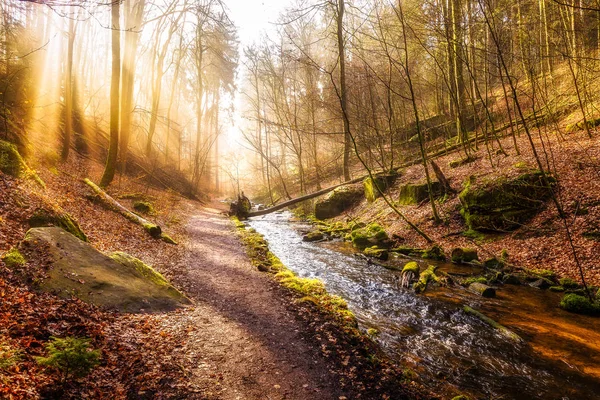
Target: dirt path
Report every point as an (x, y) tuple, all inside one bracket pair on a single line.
[(245, 341)]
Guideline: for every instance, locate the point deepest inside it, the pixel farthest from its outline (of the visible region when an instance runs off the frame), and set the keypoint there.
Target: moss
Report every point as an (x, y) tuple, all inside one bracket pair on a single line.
[(475, 279), (462, 161), (424, 278), (144, 207), (372, 332), (568, 283), (376, 252), (504, 204), (167, 239), (521, 165), (12, 163), (544, 273), (473, 234), (372, 234), (313, 236), (434, 253), (145, 270), (493, 263), (153, 229), (411, 266), (463, 255), (556, 289), (579, 304), (42, 217), (415, 193), (13, 258), (311, 290), (381, 181), (338, 200), (461, 397), (501, 328)]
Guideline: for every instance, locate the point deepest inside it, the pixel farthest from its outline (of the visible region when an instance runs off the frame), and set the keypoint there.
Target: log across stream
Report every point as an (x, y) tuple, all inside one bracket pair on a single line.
[(448, 348)]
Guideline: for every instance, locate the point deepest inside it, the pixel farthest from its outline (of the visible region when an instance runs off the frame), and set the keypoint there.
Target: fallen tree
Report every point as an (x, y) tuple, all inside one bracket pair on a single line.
[(153, 230)]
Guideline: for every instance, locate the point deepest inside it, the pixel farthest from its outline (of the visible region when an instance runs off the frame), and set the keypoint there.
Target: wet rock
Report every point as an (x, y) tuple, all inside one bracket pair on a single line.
[(338, 201), (541, 284), (504, 205), (434, 253), (313, 236), (376, 252), (371, 235), (512, 279)]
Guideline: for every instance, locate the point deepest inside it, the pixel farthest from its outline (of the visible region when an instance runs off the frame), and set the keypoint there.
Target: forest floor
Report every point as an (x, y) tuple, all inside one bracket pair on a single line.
[(245, 337)]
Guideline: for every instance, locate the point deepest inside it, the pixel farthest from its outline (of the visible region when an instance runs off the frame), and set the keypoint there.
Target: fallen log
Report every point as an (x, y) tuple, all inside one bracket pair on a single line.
[(482, 289), (501, 328), (302, 198), (153, 230)]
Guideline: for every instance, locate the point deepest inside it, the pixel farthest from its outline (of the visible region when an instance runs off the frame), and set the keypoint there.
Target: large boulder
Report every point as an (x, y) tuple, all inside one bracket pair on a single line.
[(504, 205), (415, 193), (381, 181), (77, 269), (338, 201)]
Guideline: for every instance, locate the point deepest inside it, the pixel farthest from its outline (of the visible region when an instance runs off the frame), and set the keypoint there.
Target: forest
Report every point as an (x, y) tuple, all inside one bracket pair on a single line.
[(302, 199)]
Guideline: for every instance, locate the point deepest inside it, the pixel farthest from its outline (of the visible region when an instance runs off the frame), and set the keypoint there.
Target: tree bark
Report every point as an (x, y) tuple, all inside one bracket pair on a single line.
[(113, 147)]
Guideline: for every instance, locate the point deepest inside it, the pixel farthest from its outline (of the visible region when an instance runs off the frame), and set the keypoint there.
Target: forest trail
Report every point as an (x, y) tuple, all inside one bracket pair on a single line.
[(247, 343)]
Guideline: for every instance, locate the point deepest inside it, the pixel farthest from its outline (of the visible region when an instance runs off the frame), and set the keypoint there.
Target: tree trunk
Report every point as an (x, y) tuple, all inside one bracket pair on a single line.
[(113, 147), (343, 94)]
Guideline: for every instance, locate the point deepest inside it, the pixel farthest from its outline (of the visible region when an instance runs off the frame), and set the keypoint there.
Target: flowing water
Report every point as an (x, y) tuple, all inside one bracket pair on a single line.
[(447, 348)]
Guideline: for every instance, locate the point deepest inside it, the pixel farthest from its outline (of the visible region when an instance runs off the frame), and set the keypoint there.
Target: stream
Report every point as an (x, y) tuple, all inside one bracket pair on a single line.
[(449, 350)]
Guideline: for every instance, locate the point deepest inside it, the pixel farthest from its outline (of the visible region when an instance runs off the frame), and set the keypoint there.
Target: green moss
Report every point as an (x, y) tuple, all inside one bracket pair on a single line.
[(372, 234), (411, 266), (568, 283), (376, 252), (167, 239), (13, 258), (493, 263), (461, 397), (462, 161), (313, 236), (504, 204), (579, 304), (544, 273), (42, 217), (145, 270), (12, 163), (380, 181), (153, 229), (144, 207), (434, 253), (463, 255), (556, 289), (475, 279), (415, 193), (424, 278), (338, 200), (521, 165), (311, 290), (372, 332)]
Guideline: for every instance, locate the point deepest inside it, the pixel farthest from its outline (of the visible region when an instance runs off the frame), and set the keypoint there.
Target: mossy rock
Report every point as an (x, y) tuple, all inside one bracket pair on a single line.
[(408, 251), (544, 273), (475, 279), (461, 161), (434, 253), (557, 289), (514, 279), (13, 258), (144, 207), (411, 266), (381, 181), (504, 205), (416, 193), (313, 236), (43, 218), (11, 163), (376, 252), (579, 304), (371, 235), (424, 278), (461, 255), (79, 270), (338, 201), (493, 263)]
